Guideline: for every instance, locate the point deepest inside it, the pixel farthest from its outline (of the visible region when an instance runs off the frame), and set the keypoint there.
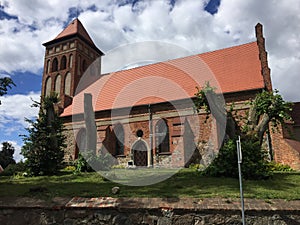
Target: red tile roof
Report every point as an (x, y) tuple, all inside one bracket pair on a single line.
[(232, 69), (74, 28)]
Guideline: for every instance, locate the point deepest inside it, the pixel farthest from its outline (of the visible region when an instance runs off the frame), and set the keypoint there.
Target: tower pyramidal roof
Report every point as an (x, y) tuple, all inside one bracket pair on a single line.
[(75, 28)]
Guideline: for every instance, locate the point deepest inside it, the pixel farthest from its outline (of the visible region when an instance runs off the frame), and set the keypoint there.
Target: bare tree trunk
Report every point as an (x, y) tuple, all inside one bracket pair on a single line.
[(262, 126), (89, 118)]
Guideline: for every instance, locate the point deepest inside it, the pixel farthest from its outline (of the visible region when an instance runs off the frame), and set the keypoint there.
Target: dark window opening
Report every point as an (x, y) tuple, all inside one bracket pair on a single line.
[(162, 136), (48, 67), (63, 63), (139, 133), (54, 65), (119, 143), (83, 65)]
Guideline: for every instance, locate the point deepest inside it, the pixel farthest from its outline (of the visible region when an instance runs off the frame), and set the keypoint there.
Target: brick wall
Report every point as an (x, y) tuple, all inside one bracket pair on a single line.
[(188, 132), (205, 142), (78, 57), (284, 150)]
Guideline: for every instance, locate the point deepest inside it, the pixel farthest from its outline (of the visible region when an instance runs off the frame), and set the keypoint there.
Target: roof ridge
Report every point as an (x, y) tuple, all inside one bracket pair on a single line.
[(73, 28), (235, 68), (78, 29), (225, 48), (184, 57)]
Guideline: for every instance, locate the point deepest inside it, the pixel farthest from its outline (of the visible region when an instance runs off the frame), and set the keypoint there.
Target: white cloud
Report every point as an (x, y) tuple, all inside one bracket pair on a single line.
[(32, 11), (282, 33), (13, 110), (21, 48), (186, 25), (21, 39), (286, 77)]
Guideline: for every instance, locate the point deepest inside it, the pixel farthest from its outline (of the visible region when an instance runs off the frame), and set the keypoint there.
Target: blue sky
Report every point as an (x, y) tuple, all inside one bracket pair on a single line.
[(197, 26)]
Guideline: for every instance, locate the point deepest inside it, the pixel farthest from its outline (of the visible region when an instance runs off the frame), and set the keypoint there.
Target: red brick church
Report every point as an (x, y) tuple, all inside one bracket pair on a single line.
[(144, 115)]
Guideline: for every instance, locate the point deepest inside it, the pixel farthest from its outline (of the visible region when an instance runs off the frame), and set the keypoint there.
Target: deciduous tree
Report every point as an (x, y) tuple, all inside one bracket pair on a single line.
[(265, 109)]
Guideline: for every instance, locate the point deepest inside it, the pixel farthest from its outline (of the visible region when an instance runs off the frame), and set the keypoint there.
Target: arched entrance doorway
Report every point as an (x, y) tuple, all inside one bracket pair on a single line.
[(140, 153)]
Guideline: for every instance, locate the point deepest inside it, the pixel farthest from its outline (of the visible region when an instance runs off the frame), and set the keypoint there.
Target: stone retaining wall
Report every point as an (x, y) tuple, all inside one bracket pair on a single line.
[(110, 211)]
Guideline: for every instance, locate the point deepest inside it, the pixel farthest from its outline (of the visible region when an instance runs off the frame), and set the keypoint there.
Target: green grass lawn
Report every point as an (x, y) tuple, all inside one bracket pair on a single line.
[(186, 183)]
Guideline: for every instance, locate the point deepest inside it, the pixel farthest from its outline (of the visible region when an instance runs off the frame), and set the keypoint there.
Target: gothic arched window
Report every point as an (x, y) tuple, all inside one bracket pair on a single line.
[(68, 84), (57, 84), (79, 65), (48, 86), (71, 61), (63, 63), (48, 66), (119, 133), (162, 136), (54, 65), (83, 65)]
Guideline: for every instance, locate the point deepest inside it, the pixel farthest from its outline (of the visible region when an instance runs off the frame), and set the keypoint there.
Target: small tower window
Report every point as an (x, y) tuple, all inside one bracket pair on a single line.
[(54, 65), (63, 63)]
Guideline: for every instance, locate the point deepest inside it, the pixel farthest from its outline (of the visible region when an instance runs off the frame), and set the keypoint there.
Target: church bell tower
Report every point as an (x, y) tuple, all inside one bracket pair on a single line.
[(66, 58)]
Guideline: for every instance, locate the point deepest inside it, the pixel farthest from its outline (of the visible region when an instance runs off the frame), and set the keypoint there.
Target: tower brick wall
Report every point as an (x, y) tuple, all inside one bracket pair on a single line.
[(73, 51)]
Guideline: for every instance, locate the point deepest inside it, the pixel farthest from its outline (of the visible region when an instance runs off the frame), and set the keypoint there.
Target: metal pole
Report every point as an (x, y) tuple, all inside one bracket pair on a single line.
[(239, 154)]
